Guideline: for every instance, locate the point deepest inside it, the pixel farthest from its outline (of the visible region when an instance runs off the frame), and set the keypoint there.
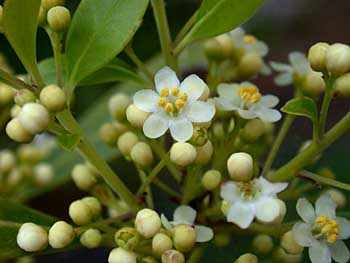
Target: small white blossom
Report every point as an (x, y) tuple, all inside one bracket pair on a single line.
[(322, 231), (186, 215), (253, 199), (246, 99), (174, 106)]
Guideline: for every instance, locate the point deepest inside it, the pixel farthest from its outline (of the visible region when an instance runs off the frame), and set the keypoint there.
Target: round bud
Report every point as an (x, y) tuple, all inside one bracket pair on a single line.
[(253, 130), (127, 238), (213, 50), (126, 142), (313, 84), (7, 161), (161, 243), (61, 235), (136, 116), (342, 86), (118, 104), (119, 255), (48, 4), (91, 238), (199, 137), (317, 56), (282, 212), (147, 223), (326, 172), (109, 133), (24, 96), (262, 244), (15, 110), (240, 166), (59, 19), (16, 132), (290, 245), (250, 65), (247, 258), (83, 177), (211, 179), (53, 98), (34, 118), (43, 174), (29, 153), (94, 205), (173, 256), (142, 154), (184, 237), (14, 177), (226, 44), (183, 153), (80, 213), (32, 238), (337, 196), (282, 256), (6, 94), (204, 153), (338, 59)]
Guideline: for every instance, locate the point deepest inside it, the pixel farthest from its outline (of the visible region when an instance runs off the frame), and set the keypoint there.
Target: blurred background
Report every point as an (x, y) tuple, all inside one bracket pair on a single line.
[(285, 25)]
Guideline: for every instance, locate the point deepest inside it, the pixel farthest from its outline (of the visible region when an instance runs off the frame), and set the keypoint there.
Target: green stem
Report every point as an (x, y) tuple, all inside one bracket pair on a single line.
[(324, 180), (328, 95), (186, 28), (166, 189), (290, 169), (88, 152), (56, 40), (149, 198), (14, 82), (38, 79)]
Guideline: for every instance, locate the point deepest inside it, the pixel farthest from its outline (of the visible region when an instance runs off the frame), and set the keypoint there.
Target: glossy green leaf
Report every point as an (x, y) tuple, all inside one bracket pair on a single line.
[(99, 31), (305, 107), (68, 141), (219, 16)]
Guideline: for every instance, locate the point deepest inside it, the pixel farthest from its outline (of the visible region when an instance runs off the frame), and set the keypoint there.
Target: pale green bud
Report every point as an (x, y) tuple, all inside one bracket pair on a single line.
[(199, 137), (342, 86), (338, 59), (119, 255), (83, 177), (313, 84), (61, 235), (247, 258), (136, 116), (43, 174), (289, 245), (59, 19), (127, 238), (7, 161), (250, 64), (282, 256), (91, 238), (282, 212), (317, 56), (337, 196), (24, 96), (32, 238), (53, 98), (326, 172), (147, 223), (183, 153), (118, 104), (15, 110), (94, 205), (253, 130), (213, 50), (34, 118), (29, 153), (16, 132), (48, 4), (204, 153), (240, 166), (126, 142), (262, 244), (14, 177), (109, 133), (211, 179), (226, 44), (184, 237), (6, 94), (173, 256), (80, 213), (141, 154), (161, 243)]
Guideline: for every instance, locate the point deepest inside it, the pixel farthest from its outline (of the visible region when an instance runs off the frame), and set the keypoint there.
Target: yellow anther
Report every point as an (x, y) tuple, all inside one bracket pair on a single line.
[(169, 107), (179, 103), (249, 94), (164, 92), (249, 39), (329, 228), (175, 91), (321, 220), (184, 96), (162, 102)]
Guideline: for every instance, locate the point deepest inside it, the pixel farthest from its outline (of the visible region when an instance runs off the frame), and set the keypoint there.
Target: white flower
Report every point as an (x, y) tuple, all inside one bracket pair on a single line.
[(255, 198), (322, 231), (174, 106), (298, 64), (246, 99), (186, 215)]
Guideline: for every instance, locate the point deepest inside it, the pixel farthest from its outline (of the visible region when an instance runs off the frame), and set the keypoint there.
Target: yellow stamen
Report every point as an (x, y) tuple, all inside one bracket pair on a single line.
[(249, 94), (184, 96), (162, 102), (179, 103), (249, 39), (175, 91), (329, 228), (169, 107), (164, 92)]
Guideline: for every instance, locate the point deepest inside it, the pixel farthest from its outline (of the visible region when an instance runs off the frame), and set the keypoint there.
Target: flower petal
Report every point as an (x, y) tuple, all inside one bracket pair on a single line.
[(267, 209), (265, 70), (267, 114), (185, 213), (339, 252), (344, 227), (261, 48), (166, 78), (299, 62), (305, 210), (241, 214), (199, 111), (165, 222), (225, 104), (229, 191), (326, 206), (269, 101), (203, 233), (155, 126), (319, 253), (193, 86), (270, 189), (283, 79), (302, 234), (181, 129), (228, 91), (280, 67), (247, 114), (146, 100)]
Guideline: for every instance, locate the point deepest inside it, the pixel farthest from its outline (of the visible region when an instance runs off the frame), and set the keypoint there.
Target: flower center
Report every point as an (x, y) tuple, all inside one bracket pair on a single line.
[(326, 228), (249, 94), (249, 39), (172, 102), (248, 189)]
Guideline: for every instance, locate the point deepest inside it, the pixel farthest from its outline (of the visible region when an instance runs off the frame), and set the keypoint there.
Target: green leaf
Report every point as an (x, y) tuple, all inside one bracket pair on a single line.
[(99, 31), (305, 107), (68, 141), (219, 16)]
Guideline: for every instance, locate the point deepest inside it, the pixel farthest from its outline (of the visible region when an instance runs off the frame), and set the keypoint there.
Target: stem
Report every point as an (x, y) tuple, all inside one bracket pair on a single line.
[(328, 95), (166, 189), (149, 198), (290, 169), (89, 153), (14, 82), (38, 79), (57, 51), (182, 45), (186, 28), (324, 180)]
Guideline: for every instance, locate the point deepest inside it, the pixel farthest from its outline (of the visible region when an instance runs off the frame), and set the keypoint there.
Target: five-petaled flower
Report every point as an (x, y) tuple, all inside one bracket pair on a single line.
[(322, 231), (246, 99), (174, 106)]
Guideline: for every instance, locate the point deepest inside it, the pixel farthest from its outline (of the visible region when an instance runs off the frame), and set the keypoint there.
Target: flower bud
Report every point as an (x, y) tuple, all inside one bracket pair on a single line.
[(34, 118), (240, 166), (250, 64), (183, 153), (326, 172), (29, 153), (204, 153), (24, 96), (136, 116), (53, 98), (161, 243), (59, 19), (119, 255), (7, 161), (317, 56), (141, 154), (342, 86), (127, 238), (6, 94), (16, 132), (43, 174), (213, 50), (61, 235), (109, 133), (126, 142), (147, 223), (118, 104), (253, 130), (282, 256), (14, 177), (247, 258), (199, 137), (282, 212), (337, 196), (262, 244), (83, 177), (149, 260), (338, 59), (48, 4), (184, 237), (80, 213), (211, 179), (32, 238), (91, 238), (15, 110), (173, 256), (313, 84), (289, 245), (94, 205)]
